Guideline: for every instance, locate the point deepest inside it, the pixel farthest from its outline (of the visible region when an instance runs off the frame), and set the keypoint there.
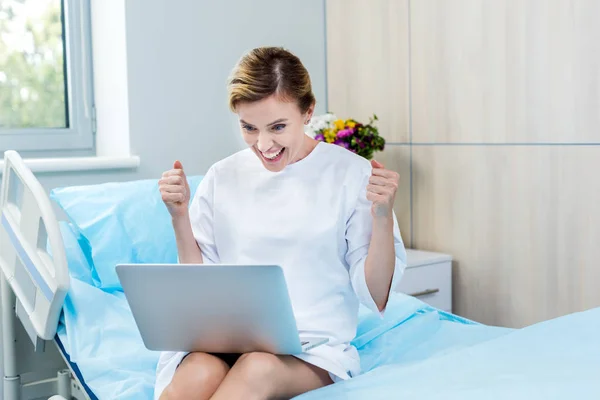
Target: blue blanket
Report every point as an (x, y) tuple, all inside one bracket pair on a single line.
[(557, 359), (415, 351), (100, 335)]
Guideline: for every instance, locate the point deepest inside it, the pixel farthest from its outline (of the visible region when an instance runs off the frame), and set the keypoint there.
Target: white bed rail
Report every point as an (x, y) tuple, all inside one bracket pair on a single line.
[(40, 281), (34, 283)]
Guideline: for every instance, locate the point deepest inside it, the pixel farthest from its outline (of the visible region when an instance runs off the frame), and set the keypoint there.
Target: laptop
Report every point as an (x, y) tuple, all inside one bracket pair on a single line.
[(215, 308)]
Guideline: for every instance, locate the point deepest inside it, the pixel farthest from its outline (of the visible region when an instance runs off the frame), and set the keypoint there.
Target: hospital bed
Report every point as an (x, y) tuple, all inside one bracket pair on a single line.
[(68, 332)]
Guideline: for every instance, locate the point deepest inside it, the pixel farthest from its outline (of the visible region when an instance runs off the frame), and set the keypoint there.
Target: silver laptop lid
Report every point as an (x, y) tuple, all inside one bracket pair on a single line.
[(211, 308)]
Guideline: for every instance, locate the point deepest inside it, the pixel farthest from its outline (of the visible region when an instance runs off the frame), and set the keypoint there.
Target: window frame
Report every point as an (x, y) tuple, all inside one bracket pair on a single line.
[(80, 135)]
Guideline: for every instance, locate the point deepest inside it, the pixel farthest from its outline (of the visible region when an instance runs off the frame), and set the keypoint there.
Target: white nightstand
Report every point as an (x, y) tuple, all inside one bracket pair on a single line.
[(428, 276)]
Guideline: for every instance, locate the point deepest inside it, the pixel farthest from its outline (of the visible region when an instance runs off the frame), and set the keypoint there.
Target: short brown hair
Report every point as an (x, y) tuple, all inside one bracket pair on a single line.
[(265, 71)]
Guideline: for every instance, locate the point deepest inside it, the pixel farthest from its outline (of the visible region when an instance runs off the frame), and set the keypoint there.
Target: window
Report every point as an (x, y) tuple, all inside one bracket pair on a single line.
[(46, 100)]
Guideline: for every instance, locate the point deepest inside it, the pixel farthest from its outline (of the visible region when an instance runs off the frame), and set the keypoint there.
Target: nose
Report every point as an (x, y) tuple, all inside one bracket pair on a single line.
[(264, 142)]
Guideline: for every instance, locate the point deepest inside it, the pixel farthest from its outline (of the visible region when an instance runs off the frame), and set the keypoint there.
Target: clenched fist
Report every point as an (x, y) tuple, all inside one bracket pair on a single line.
[(175, 190), (381, 190)]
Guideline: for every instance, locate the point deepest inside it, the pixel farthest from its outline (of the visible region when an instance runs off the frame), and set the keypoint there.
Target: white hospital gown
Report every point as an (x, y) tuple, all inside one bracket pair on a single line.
[(313, 219)]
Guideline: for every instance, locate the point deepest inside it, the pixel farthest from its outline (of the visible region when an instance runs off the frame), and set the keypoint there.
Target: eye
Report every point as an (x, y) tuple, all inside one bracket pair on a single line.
[(279, 127), (248, 128)]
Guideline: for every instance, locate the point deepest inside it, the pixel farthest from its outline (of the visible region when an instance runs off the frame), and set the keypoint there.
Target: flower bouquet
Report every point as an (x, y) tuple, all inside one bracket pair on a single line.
[(362, 139)]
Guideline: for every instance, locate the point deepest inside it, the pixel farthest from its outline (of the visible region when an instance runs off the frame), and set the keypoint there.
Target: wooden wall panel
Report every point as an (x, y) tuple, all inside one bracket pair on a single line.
[(510, 71), (522, 223), (491, 84), (367, 63)]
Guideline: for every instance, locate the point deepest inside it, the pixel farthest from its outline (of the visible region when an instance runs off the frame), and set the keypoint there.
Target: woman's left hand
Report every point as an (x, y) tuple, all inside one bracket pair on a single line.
[(381, 190)]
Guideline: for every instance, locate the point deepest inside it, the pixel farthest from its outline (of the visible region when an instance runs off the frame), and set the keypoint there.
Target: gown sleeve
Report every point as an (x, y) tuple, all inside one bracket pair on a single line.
[(358, 236), (202, 218)]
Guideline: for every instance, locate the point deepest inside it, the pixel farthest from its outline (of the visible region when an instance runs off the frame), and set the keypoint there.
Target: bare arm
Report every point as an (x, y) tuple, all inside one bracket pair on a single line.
[(175, 193), (381, 259), (381, 256), (187, 247)]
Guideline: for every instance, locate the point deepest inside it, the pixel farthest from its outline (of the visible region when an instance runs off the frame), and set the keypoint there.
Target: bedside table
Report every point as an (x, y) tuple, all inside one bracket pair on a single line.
[(428, 277)]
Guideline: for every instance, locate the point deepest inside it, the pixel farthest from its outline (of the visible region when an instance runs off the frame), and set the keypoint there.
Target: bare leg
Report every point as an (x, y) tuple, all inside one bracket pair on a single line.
[(266, 376), (197, 378)]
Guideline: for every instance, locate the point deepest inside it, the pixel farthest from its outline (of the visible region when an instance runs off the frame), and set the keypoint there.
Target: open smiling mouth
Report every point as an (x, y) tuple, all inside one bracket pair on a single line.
[(273, 157)]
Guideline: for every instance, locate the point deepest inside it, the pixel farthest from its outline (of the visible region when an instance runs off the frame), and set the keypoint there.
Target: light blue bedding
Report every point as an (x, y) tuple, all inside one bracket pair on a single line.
[(117, 222), (415, 351), (557, 359), (99, 333)]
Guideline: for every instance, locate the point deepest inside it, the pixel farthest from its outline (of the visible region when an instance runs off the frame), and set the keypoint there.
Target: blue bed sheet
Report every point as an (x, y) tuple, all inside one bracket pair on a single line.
[(557, 359), (99, 334)]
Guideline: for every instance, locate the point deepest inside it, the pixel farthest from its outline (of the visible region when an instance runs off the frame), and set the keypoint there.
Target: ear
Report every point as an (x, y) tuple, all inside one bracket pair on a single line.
[(309, 113)]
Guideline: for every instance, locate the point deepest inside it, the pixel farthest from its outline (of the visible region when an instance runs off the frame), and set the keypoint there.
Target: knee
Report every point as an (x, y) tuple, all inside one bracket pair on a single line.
[(258, 367), (198, 377)]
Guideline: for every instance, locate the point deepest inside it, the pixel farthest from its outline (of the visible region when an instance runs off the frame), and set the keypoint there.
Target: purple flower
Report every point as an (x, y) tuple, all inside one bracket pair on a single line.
[(345, 133), (342, 143), (320, 137)]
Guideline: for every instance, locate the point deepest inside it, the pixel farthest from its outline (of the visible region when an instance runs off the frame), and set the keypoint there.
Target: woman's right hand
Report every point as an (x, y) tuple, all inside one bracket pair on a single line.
[(175, 191)]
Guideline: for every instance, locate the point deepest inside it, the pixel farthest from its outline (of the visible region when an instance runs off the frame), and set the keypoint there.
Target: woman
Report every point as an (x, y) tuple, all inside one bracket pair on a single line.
[(320, 211)]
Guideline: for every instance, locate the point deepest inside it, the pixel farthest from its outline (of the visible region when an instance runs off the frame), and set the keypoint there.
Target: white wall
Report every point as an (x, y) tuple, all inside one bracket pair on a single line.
[(180, 56)]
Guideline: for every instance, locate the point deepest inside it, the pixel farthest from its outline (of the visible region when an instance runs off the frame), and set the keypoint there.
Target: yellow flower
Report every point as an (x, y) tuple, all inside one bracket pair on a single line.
[(350, 124), (339, 124), (329, 136)]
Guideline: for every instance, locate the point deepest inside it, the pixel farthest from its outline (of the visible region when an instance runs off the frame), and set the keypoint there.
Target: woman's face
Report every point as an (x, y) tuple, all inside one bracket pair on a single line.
[(274, 130)]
